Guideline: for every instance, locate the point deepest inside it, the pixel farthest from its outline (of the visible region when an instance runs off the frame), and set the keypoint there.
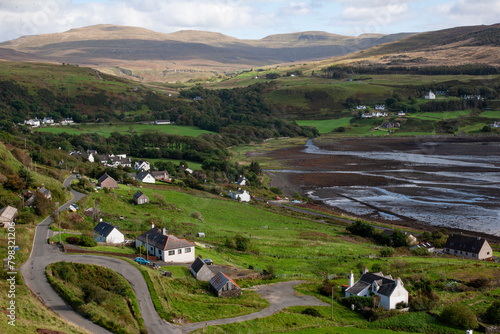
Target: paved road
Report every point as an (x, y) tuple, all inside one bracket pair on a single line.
[(279, 295)]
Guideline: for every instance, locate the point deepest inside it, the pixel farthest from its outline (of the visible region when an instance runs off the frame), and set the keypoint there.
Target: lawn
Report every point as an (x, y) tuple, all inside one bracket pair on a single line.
[(438, 116), (491, 114), (107, 129), (326, 126)]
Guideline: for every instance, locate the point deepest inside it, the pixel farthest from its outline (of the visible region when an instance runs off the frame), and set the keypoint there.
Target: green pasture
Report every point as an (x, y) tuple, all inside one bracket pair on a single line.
[(438, 116), (107, 130), (491, 114), (191, 164), (326, 126)]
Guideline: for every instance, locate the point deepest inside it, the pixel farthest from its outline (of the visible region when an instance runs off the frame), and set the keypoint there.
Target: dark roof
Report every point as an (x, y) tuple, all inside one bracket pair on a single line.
[(142, 175), (219, 280), (156, 239), (465, 243), (44, 191), (104, 228), (386, 283), (197, 265), (138, 194), (103, 178)]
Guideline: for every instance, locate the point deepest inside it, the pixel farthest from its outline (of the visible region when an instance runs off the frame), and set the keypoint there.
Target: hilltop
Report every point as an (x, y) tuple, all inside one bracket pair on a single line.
[(152, 56)]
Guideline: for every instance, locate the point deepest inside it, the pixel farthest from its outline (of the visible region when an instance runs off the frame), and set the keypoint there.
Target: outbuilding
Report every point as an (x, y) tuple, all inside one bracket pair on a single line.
[(223, 286)]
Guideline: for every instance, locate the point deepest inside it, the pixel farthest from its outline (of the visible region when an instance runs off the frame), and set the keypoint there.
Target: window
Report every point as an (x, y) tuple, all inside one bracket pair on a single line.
[(187, 250), (171, 252), (179, 251)]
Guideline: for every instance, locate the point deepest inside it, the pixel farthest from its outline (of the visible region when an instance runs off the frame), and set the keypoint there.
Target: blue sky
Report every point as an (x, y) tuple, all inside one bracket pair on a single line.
[(247, 19)]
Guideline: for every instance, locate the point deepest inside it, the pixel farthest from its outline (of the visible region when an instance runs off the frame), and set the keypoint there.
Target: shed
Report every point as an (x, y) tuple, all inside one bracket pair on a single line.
[(106, 181), (224, 286), (201, 271), (140, 198), (8, 215), (200, 235)]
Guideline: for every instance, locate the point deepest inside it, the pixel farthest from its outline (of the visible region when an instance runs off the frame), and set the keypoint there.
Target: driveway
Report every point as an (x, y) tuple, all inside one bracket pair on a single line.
[(279, 295)]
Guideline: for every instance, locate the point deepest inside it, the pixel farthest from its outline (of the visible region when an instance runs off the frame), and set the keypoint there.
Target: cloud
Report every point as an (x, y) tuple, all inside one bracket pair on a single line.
[(470, 12)]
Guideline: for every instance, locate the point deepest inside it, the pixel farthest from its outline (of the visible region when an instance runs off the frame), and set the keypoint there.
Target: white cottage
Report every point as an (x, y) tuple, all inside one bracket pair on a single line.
[(166, 247), (430, 96), (105, 232), (391, 291), (240, 195), (146, 177)]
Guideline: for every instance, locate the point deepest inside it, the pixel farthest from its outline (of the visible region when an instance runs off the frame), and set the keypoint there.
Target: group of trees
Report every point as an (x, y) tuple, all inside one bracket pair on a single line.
[(395, 239)]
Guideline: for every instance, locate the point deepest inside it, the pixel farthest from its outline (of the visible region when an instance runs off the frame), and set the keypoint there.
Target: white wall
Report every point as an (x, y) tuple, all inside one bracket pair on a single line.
[(183, 257)]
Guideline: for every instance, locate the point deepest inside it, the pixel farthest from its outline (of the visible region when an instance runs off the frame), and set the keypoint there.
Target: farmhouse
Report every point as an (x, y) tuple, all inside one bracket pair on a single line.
[(223, 286), (242, 181), (430, 95), (140, 198), (145, 177), (8, 215), (361, 107), (166, 247), (161, 175), (471, 247), (48, 120), (391, 291), (32, 122), (201, 271), (45, 192), (105, 232), (240, 195), (142, 165), (106, 181)]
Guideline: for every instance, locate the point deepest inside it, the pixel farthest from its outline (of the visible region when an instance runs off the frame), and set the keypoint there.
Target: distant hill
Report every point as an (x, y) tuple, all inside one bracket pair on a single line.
[(455, 46), (12, 55), (153, 56)]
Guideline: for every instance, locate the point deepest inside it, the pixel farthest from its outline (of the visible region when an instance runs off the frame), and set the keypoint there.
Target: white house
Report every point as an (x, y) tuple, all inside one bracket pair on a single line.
[(67, 121), (166, 247), (361, 107), (380, 107), (142, 165), (105, 232), (242, 181), (240, 195), (401, 113), (146, 177), (391, 291), (48, 120), (32, 122), (430, 96), (471, 247)]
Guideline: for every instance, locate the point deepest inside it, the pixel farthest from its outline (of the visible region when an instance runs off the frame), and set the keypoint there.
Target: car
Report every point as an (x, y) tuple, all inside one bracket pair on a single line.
[(208, 261), (141, 260)]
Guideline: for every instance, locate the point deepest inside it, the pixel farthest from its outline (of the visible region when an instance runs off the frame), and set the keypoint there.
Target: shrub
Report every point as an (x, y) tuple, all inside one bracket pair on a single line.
[(276, 190), (492, 314), (387, 252), (376, 267), (358, 301), (140, 250), (87, 241), (460, 316), (327, 287), (73, 240), (312, 312), (361, 229), (478, 283)]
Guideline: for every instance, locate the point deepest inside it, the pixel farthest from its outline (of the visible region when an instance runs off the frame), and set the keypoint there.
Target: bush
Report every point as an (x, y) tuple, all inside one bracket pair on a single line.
[(327, 287), (87, 241), (362, 229), (460, 316), (73, 240), (312, 312), (492, 314), (140, 250), (387, 252), (276, 190)]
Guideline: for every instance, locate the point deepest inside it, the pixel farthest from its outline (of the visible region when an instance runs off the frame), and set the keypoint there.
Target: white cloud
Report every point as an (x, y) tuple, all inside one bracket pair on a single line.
[(297, 8)]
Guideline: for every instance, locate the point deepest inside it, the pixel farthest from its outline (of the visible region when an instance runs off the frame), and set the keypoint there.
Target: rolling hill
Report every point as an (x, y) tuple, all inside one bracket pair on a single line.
[(153, 56)]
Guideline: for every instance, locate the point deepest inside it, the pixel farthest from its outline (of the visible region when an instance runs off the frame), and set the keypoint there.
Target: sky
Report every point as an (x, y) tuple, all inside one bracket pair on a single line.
[(246, 19)]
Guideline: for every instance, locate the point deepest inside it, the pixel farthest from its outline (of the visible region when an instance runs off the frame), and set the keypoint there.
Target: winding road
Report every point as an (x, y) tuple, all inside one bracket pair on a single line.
[(279, 295)]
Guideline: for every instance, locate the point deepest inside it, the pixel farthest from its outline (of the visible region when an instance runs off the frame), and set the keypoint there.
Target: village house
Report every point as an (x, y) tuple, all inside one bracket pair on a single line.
[(495, 124), (106, 181), (360, 107), (380, 107), (119, 160), (161, 175), (401, 113), (145, 177), (45, 192), (242, 181), (47, 121), (105, 232), (240, 195), (142, 165), (67, 121), (140, 198), (425, 245), (224, 286), (162, 122), (470, 247), (430, 96), (391, 125), (32, 122), (391, 291), (8, 215), (201, 271), (166, 247)]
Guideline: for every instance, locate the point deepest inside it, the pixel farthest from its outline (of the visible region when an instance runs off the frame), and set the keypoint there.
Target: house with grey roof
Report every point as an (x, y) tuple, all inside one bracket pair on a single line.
[(471, 247), (223, 286), (391, 291), (105, 232), (200, 270), (106, 181), (8, 215), (145, 177), (165, 246), (140, 198)]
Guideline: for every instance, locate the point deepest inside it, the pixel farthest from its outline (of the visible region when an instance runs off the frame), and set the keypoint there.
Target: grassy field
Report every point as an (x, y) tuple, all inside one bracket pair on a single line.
[(491, 114), (107, 129), (99, 294), (327, 126)]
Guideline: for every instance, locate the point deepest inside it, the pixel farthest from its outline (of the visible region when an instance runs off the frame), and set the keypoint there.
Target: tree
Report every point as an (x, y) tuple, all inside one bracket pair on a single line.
[(492, 314), (42, 204), (399, 239), (15, 183), (460, 316), (361, 229), (255, 168)]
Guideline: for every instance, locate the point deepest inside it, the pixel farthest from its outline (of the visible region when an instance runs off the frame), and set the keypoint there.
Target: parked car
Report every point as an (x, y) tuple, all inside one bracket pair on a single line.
[(141, 260), (209, 262)]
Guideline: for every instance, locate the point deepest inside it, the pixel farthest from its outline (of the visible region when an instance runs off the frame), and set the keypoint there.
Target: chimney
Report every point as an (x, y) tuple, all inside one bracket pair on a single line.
[(152, 225), (365, 270), (164, 231), (100, 220), (351, 279)]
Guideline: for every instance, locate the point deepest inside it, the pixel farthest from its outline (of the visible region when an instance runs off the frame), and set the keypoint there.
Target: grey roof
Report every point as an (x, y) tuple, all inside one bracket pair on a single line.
[(45, 191), (197, 265), (220, 280), (157, 239), (138, 194), (8, 213), (104, 228), (142, 175), (465, 243), (386, 283)]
